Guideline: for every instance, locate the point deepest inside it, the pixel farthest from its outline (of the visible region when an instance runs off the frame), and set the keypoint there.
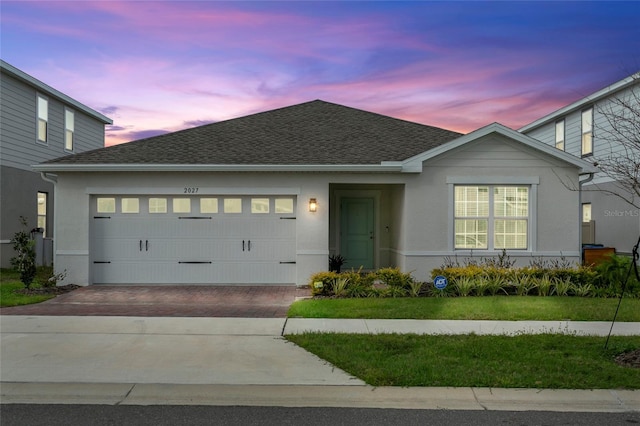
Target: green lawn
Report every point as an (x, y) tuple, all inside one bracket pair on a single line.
[(9, 283), (524, 361), (515, 308)]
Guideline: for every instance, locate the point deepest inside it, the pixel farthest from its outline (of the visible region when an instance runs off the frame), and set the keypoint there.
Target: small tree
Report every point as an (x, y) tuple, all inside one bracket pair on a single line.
[(25, 260), (620, 130)]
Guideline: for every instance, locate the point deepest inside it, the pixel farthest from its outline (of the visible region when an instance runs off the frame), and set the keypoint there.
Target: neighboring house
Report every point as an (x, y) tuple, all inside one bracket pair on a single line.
[(583, 130), (266, 198), (37, 123)]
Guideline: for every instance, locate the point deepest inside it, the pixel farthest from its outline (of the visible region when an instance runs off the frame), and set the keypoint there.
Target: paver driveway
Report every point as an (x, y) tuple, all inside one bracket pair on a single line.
[(169, 301)]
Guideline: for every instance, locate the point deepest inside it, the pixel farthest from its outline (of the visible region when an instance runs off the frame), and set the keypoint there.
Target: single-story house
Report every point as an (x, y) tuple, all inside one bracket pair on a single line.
[(267, 198)]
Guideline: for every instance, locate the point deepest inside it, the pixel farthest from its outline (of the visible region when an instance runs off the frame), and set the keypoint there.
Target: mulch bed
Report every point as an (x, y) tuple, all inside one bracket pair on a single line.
[(48, 290), (629, 359)]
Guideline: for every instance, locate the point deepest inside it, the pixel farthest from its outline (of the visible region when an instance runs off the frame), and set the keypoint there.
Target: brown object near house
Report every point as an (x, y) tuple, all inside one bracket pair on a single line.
[(595, 255)]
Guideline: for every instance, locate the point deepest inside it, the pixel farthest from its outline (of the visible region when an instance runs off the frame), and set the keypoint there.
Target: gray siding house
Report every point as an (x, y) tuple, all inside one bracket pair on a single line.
[(583, 130), (37, 123), (266, 198)]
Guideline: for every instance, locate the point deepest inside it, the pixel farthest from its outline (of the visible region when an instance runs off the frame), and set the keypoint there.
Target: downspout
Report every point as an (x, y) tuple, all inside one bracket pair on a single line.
[(580, 183), (53, 179)]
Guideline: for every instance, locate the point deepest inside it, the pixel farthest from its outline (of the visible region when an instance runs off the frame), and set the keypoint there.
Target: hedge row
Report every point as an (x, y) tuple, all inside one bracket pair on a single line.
[(604, 280)]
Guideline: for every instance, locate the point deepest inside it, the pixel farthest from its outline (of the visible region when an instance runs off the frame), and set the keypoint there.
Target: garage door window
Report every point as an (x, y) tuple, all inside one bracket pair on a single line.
[(106, 205), (208, 205), (181, 205), (130, 205), (284, 205), (157, 205), (259, 205), (233, 205)]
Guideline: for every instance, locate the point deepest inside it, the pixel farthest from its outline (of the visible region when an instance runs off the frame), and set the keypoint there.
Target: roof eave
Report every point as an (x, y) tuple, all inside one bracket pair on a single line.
[(385, 166), (46, 89), (581, 103)]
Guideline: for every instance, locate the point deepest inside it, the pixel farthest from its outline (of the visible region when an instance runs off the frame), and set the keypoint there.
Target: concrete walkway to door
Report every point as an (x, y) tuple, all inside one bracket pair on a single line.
[(242, 301)]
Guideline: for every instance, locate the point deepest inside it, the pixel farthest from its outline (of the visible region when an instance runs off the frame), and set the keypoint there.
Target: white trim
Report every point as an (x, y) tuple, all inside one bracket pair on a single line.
[(72, 253), (312, 252), (201, 191), (58, 167), (532, 220), (484, 253), (44, 142), (5, 241), (494, 180), (66, 128)]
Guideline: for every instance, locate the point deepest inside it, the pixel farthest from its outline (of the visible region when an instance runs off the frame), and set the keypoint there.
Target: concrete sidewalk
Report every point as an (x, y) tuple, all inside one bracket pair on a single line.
[(403, 326), (244, 361)]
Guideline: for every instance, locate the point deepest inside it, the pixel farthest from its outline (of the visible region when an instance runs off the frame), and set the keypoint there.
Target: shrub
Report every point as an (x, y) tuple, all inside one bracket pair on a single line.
[(394, 278), (326, 278), (464, 286), (25, 260), (611, 275), (339, 286)]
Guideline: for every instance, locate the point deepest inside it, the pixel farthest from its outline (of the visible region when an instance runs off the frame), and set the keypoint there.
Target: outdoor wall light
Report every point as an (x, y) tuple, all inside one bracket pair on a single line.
[(313, 205)]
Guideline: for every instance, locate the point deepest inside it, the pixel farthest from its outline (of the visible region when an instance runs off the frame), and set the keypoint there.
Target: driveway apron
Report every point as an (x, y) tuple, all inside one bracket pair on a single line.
[(168, 301)]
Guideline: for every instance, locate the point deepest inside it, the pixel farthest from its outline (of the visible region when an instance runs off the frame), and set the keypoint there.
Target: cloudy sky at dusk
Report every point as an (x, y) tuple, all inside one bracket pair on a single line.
[(155, 67)]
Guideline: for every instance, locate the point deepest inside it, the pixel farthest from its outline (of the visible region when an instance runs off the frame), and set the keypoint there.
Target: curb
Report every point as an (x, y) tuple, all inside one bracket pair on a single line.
[(357, 396)]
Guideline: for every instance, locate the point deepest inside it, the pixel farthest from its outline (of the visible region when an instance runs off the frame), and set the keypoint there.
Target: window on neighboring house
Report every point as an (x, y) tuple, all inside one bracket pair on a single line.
[(43, 118), (587, 131), (69, 129), (586, 212), (491, 217), (560, 135), (42, 212)]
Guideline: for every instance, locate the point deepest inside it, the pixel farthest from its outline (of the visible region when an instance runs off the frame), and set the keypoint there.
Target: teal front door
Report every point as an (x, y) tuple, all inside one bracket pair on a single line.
[(357, 233)]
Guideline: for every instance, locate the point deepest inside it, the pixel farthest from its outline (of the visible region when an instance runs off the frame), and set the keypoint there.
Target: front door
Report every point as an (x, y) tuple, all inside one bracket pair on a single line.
[(357, 232)]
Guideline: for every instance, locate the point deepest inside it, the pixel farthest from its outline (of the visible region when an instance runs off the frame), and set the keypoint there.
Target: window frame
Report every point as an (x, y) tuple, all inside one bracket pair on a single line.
[(69, 130), (39, 113), (531, 182), (587, 112), (560, 144)]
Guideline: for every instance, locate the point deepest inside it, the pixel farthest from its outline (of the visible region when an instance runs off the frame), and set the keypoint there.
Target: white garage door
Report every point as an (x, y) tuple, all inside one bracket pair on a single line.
[(193, 240)]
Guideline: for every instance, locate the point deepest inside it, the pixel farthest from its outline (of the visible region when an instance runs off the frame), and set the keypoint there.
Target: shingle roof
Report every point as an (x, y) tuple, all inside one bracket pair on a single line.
[(313, 133)]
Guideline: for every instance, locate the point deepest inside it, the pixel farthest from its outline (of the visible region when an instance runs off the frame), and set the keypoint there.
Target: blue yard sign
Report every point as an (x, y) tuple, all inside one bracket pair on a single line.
[(440, 282)]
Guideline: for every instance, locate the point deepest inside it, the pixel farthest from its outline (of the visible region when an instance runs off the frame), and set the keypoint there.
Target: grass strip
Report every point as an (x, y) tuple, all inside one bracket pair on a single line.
[(505, 308), (549, 361), (10, 283)]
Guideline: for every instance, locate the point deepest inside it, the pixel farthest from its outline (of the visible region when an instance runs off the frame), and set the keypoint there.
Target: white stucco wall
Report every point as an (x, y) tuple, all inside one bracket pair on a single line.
[(74, 190), (416, 208), (428, 202)]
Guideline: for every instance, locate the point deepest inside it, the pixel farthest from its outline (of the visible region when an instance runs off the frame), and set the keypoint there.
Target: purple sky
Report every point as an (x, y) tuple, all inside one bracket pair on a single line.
[(155, 67)]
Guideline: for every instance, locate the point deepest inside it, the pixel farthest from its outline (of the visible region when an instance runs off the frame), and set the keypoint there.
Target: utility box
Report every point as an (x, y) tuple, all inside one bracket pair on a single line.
[(592, 254)]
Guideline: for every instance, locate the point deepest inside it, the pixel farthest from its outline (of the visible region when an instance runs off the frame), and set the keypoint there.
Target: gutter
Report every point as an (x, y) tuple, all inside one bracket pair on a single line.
[(384, 166), (51, 178)]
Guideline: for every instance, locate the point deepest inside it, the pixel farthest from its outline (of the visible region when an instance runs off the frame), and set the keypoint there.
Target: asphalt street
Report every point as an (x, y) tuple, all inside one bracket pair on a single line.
[(99, 415)]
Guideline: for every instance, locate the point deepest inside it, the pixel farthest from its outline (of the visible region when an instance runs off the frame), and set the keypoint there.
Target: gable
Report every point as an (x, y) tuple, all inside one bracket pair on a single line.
[(496, 131)]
